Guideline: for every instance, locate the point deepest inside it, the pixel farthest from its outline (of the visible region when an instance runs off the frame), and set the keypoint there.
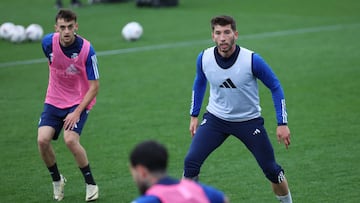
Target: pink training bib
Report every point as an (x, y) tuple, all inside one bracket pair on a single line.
[(68, 82), (185, 192)]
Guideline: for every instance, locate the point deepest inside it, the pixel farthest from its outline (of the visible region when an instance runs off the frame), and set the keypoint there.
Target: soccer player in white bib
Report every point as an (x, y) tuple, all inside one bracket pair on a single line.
[(233, 108), (71, 94)]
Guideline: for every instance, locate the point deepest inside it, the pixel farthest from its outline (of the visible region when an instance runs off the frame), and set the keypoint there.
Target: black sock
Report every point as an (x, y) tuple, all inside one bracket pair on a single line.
[(89, 179), (54, 172)]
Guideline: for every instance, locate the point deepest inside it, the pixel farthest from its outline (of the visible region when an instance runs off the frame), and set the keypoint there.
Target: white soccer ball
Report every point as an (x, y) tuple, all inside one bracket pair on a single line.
[(34, 32), (18, 34), (6, 30), (132, 31)]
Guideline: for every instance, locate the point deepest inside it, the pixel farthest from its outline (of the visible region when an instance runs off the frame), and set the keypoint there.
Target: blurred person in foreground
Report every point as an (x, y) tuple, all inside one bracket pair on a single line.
[(148, 167), (71, 94), (234, 106)]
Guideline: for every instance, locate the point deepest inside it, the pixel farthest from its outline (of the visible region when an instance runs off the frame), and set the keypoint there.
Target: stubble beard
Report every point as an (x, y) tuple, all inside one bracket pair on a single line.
[(229, 47)]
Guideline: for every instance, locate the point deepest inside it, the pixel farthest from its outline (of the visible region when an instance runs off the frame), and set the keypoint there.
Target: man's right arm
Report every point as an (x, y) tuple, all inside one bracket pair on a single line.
[(199, 88), (197, 97), (46, 45)]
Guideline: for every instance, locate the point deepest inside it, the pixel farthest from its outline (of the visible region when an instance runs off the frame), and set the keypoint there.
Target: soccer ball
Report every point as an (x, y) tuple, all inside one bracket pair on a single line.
[(34, 32), (6, 30), (17, 34), (132, 31)]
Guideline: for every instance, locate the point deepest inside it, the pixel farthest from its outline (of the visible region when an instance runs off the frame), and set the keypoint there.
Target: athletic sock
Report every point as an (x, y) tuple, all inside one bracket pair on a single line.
[(86, 171), (285, 199), (54, 172)]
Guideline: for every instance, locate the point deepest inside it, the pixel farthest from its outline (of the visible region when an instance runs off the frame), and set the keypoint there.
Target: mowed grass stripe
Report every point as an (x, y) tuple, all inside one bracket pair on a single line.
[(197, 42)]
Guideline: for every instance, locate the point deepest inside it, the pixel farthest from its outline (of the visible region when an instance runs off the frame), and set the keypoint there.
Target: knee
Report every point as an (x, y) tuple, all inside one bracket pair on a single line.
[(71, 139), (69, 142), (45, 135), (275, 176), (43, 142), (191, 168)]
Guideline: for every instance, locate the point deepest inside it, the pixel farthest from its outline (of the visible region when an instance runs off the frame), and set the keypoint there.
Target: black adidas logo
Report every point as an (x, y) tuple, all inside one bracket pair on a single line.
[(228, 84)]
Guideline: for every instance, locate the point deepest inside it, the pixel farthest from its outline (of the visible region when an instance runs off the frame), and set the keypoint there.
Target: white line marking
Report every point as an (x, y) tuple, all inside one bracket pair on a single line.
[(190, 43)]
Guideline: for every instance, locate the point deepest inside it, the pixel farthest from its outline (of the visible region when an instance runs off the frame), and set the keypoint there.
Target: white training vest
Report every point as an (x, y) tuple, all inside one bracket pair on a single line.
[(233, 91)]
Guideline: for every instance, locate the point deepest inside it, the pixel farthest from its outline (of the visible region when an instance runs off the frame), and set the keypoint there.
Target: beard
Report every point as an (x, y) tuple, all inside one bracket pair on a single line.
[(226, 47)]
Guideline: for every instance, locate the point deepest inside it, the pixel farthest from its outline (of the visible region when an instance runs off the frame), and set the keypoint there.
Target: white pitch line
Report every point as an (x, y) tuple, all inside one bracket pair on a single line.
[(190, 43)]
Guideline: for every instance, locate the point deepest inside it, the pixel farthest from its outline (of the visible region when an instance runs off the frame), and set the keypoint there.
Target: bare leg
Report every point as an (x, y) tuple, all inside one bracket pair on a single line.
[(45, 134), (282, 192), (72, 141), (280, 189)]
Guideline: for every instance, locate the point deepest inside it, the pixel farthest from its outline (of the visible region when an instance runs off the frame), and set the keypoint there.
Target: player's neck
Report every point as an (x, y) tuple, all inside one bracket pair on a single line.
[(67, 43)]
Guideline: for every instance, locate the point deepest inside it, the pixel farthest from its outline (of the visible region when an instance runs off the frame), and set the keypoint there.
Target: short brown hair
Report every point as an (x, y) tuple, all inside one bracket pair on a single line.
[(66, 14), (223, 20)]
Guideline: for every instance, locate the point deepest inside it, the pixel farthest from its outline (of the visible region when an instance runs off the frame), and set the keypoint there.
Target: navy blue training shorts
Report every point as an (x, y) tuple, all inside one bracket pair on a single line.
[(54, 117)]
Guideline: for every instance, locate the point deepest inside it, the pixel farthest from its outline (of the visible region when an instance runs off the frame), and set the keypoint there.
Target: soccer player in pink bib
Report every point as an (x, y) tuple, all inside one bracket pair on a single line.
[(148, 166), (71, 93)]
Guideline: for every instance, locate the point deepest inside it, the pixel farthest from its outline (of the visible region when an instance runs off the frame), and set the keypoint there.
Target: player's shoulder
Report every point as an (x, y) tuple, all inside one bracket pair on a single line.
[(49, 35), (92, 51), (81, 40), (244, 49), (146, 199), (47, 39), (212, 193), (202, 52), (211, 49)]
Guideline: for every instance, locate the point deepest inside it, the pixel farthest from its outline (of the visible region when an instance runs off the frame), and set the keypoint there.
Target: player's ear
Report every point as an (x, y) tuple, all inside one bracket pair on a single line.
[(236, 34), (76, 28), (212, 36)]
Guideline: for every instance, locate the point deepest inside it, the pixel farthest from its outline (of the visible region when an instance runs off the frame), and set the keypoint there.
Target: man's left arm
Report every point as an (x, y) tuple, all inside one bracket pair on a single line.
[(263, 72)]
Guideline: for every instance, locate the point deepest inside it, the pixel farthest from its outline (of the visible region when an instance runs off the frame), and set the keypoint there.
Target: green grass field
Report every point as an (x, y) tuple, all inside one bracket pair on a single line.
[(313, 46)]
